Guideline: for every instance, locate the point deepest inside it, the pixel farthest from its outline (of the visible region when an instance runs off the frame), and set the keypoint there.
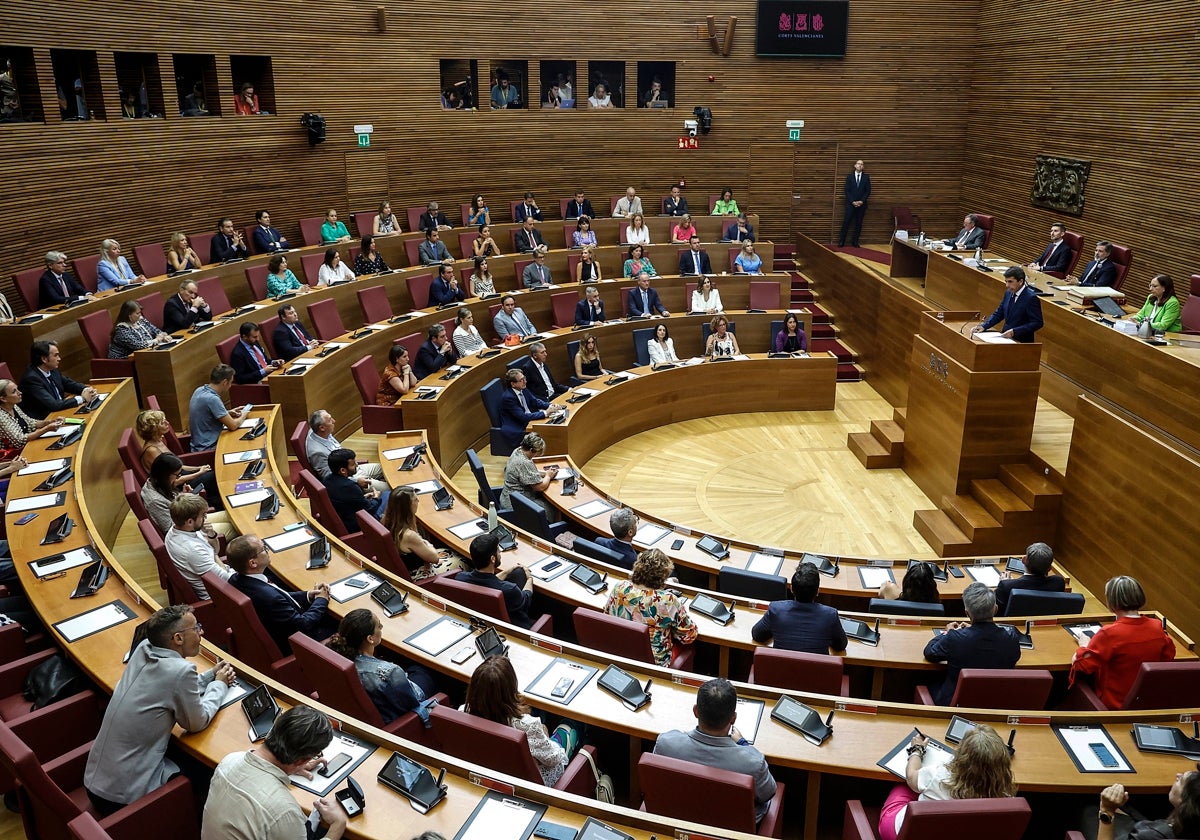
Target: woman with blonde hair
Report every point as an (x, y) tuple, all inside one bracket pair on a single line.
[(587, 360), (643, 598), (113, 269), (152, 427), (180, 256)]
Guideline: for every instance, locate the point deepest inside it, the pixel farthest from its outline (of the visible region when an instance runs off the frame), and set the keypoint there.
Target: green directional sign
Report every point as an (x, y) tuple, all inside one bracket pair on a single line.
[(793, 134), (364, 140)]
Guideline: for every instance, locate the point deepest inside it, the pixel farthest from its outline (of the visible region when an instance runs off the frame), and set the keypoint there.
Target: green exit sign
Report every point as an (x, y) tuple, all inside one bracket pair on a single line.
[(364, 140), (793, 134)]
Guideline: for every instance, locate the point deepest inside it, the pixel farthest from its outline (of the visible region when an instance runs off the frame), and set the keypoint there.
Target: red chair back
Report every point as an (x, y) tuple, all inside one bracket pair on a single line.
[(86, 271), (267, 330), (373, 301), (625, 290), (573, 260), (256, 279), (152, 308), (213, 292), (903, 218), (1190, 314), (798, 671), (378, 543), (466, 243), (364, 221), (618, 636), (1074, 241), (418, 289), (5, 373), (97, 328), (27, 286), (202, 244), (250, 641), (563, 304), (310, 230), (298, 438), (321, 506), (1122, 257), (326, 321), (504, 749), (366, 379), (414, 217), (733, 255), (336, 678), (979, 819), (982, 688), (987, 223), (130, 450), (764, 294), (224, 348), (133, 494), (411, 250), (251, 245), (698, 793), (490, 602), (310, 267), (1165, 685), (151, 258)]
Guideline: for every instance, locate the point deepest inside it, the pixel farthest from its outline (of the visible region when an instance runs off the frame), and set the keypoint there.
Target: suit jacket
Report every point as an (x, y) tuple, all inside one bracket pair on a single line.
[(675, 208), (974, 238), (808, 627), (687, 263), (283, 613), (628, 552), (860, 191), (533, 275), (1057, 261), (177, 315), (537, 386), (527, 240), (1037, 583), (524, 212), (1104, 274), (514, 419), (267, 239), (430, 359), (985, 645), (432, 222), (287, 345), (732, 233), (39, 400), (223, 249), (245, 366), (635, 302), (50, 292), (574, 211), (518, 323), (432, 254), (348, 499), (583, 313), (516, 599), (1024, 317), (440, 293)]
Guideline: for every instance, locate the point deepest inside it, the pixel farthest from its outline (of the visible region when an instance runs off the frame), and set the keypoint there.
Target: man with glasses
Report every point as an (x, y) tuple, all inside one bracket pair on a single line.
[(56, 286), (512, 320), (519, 407), (184, 310), (159, 689), (281, 611)]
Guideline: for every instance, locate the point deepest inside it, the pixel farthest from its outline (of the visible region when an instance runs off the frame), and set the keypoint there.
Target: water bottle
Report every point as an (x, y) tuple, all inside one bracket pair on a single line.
[(979, 255), (491, 516), (921, 238)]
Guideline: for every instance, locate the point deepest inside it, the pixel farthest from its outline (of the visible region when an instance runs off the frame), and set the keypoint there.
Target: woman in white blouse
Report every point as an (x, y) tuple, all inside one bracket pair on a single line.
[(721, 342), (333, 270), (466, 337), (706, 298), (637, 233), (662, 346)]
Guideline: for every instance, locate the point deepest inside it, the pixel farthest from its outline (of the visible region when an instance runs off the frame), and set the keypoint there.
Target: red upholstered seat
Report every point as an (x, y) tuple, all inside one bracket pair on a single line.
[(27, 286), (310, 268), (819, 673), (1074, 241), (256, 279), (987, 223), (903, 218), (202, 244), (310, 229), (213, 292), (414, 217), (251, 245), (621, 637), (709, 795), (977, 819), (982, 688), (326, 321), (152, 308), (179, 591), (490, 602), (412, 251), (86, 271), (1190, 314), (364, 222), (1159, 685), (376, 419), (764, 294), (97, 329), (563, 304), (466, 242), (418, 290), (1122, 257), (373, 301), (151, 258)]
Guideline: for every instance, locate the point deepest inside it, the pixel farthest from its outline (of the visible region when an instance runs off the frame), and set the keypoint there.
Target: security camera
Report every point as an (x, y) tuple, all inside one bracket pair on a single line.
[(691, 127)]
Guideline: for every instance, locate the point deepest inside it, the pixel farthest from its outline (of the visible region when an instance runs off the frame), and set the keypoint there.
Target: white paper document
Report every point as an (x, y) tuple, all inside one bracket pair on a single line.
[(289, 539), (559, 670), (984, 574), (469, 530), (398, 454), (874, 577), (993, 338), (1079, 741), (590, 392), (935, 756), (342, 591), (539, 570), (593, 508), (248, 423), (43, 500), (425, 486), (243, 457), (439, 636), (60, 563), (93, 621), (501, 819), (649, 533), (250, 497), (767, 564), (36, 467), (341, 744), (65, 429)]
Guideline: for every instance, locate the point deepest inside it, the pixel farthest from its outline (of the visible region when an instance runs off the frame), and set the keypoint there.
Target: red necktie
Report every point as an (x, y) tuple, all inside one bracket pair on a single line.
[(258, 356)]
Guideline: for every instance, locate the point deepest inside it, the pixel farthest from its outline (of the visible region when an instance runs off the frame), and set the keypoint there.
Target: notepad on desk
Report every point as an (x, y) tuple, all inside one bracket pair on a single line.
[(242, 457), (290, 539), (873, 577), (438, 637), (93, 621), (649, 533), (588, 510), (248, 498), (36, 467), (43, 500), (985, 574), (398, 454), (62, 562)]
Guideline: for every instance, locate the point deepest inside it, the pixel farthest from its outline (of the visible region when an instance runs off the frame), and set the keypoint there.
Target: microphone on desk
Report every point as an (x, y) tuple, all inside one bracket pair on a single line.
[(1012, 734)]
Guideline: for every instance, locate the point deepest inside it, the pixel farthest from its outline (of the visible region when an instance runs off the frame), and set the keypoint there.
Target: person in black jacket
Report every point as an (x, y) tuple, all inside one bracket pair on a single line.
[(45, 388), (228, 243), (56, 286), (347, 497), (1038, 559), (436, 353), (979, 644), (184, 310), (281, 611), (290, 338), (857, 190)]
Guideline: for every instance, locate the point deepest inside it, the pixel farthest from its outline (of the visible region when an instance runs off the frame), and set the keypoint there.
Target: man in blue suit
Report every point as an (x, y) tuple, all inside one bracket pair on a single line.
[(518, 408), (282, 612), (645, 301), (290, 338), (1019, 309), (1101, 271), (623, 524), (1057, 256), (857, 190), (249, 358), (590, 310)]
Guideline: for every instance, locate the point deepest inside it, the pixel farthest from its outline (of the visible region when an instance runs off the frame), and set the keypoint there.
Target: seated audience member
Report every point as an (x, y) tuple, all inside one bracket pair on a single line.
[(801, 624), (706, 298), (332, 230), (397, 378), (529, 238), (184, 309), (159, 688), (522, 475), (6, 313), (662, 346), (484, 245), (1101, 271), (512, 320), (725, 205), (478, 214), (637, 263), (395, 691), (290, 339), (740, 231), (981, 643), (369, 260), (194, 104), (321, 443), (433, 219), (493, 694), (748, 262), (791, 339), (643, 598), (280, 279), (504, 95), (445, 288), (623, 523), (152, 427), (518, 408), (588, 270), (580, 206), (482, 282), (207, 415), (583, 234), (131, 109), (528, 209), (345, 494), (981, 769), (132, 332), (600, 98), (590, 310), (436, 352), (44, 386), (57, 286), (266, 238), (643, 300), (1038, 559), (333, 270), (466, 338), (418, 555), (451, 101), (694, 260), (1114, 655), (385, 221), (1161, 308), (16, 427), (637, 233), (553, 97), (1118, 819), (683, 232), (192, 543), (675, 204), (113, 270), (542, 383), (587, 360), (514, 583), (628, 205), (1057, 255), (433, 251), (970, 237), (249, 358), (918, 586), (228, 243), (716, 742), (1019, 309), (245, 104), (251, 795), (282, 612), (180, 256), (160, 489), (537, 273), (655, 97)]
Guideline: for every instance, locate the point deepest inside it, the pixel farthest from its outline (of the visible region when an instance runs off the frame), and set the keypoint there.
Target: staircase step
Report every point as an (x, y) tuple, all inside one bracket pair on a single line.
[(871, 452), (849, 373), (997, 499), (1035, 489), (823, 331), (943, 536), (820, 316), (832, 345), (900, 415), (969, 516), (889, 434)]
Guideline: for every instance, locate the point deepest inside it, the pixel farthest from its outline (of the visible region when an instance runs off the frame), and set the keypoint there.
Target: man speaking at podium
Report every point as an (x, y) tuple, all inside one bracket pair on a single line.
[(1019, 309)]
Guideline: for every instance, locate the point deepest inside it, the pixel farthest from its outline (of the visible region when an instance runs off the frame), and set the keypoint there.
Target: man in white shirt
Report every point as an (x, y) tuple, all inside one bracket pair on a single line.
[(192, 543), (628, 206), (321, 442)]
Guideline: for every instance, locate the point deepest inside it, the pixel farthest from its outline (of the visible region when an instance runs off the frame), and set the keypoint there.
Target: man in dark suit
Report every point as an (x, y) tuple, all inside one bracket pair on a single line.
[(518, 408), (529, 238), (249, 358), (970, 237), (1019, 309), (433, 219), (44, 388), (590, 310), (694, 261), (857, 190), (436, 353), (537, 274), (445, 287), (267, 240), (541, 381), (1057, 256), (801, 624), (979, 644), (290, 338), (1038, 559), (346, 495), (580, 206), (675, 204), (623, 523), (228, 243), (433, 250), (56, 286), (1101, 271), (528, 209), (515, 583), (644, 300), (282, 612), (183, 310)]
